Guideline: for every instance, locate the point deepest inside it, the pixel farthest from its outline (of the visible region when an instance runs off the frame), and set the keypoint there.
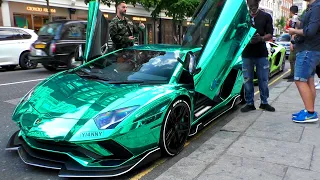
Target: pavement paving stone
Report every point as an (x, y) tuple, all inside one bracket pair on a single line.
[(301, 174), (273, 151), (242, 121), (191, 166), (315, 163), (233, 167), (275, 126), (311, 136), (185, 169)]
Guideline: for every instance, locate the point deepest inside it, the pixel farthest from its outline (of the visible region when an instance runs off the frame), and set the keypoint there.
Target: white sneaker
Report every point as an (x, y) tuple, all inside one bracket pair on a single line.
[(317, 83), (317, 86)]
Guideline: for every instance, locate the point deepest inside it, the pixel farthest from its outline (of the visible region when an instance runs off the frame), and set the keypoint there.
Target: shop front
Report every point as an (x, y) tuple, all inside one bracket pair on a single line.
[(33, 16)]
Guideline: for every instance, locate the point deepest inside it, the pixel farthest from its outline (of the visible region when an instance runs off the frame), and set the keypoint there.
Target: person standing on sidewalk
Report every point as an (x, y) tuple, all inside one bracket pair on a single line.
[(256, 54), (308, 57), (122, 29), (292, 24)]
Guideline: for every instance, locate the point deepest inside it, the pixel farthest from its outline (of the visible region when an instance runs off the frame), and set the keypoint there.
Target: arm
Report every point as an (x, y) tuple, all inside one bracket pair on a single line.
[(312, 27), (268, 29)]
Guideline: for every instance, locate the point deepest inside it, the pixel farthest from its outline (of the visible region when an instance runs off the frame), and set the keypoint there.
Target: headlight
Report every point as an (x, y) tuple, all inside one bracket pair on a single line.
[(27, 96), (111, 119)]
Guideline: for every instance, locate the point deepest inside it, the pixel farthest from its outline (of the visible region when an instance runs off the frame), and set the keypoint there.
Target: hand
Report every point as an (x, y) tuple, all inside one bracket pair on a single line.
[(131, 38), (291, 31), (141, 25), (256, 39)]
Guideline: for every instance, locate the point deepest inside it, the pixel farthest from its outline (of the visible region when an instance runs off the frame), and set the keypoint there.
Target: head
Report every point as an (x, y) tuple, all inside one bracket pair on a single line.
[(122, 8), (253, 6), (294, 10)]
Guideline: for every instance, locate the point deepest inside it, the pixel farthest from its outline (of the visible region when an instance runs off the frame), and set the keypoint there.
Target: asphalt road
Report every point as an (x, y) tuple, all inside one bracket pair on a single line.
[(15, 84)]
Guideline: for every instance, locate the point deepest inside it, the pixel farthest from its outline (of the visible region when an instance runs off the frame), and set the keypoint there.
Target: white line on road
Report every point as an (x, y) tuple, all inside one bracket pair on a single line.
[(20, 82), (14, 101)]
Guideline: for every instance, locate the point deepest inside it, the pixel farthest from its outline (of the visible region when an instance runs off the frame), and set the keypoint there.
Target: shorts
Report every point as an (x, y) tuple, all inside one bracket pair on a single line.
[(305, 66)]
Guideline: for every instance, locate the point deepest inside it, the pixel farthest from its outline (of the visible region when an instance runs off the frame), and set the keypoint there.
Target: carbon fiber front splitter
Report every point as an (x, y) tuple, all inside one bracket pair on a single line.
[(67, 166)]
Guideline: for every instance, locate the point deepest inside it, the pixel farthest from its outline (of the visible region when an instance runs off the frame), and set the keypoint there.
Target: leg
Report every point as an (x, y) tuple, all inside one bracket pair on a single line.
[(263, 70), (248, 68), (292, 59), (305, 67)]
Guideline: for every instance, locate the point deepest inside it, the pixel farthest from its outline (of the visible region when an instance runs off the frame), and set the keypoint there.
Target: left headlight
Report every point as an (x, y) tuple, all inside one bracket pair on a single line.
[(111, 119)]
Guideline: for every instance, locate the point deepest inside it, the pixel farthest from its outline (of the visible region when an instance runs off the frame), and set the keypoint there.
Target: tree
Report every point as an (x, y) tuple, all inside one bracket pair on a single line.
[(281, 23), (49, 11)]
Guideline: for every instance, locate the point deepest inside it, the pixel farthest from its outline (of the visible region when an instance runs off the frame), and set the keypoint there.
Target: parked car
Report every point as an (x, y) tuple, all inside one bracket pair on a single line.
[(122, 110), (56, 44), (15, 47), (276, 57), (284, 40)]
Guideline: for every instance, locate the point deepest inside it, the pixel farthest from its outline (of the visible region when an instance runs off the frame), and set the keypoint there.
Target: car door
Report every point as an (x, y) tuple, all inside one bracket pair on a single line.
[(223, 29), (10, 46)]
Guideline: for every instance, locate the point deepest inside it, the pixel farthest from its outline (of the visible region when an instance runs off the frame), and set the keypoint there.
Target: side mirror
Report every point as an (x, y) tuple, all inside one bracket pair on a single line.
[(272, 50), (78, 53), (190, 64)]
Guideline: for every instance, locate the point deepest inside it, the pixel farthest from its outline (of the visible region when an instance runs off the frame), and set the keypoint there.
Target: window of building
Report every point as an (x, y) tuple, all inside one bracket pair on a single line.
[(22, 20)]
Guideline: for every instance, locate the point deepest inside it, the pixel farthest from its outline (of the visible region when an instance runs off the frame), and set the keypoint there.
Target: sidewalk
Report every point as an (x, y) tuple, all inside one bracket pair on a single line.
[(258, 145)]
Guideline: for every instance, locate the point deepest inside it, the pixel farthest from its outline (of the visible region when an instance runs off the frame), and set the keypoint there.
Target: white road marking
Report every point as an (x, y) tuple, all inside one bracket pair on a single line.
[(14, 101), (20, 82)]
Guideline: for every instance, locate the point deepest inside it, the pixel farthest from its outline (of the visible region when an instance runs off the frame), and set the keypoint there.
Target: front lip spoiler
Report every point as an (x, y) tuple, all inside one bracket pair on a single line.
[(70, 168)]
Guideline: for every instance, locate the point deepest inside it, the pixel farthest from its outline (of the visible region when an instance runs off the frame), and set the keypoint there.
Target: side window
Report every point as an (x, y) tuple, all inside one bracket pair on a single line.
[(24, 34), (74, 31), (6, 34)]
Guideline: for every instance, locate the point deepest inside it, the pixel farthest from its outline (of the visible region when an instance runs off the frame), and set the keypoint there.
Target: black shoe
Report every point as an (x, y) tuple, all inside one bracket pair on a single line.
[(290, 76), (248, 108), (267, 107), (290, 80)]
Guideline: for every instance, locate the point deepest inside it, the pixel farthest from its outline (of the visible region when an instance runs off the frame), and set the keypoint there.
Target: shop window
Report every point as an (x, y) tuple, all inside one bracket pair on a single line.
[(39, 21), (74, 31), (22, 21)]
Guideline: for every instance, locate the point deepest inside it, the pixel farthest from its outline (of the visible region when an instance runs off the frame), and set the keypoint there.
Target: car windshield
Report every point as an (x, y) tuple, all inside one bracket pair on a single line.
[(49, 29), (133, 65), (284, 37)]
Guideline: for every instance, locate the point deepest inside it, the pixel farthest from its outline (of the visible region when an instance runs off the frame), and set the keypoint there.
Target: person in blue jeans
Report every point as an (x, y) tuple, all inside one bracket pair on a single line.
[(307, 42), (256, 55)]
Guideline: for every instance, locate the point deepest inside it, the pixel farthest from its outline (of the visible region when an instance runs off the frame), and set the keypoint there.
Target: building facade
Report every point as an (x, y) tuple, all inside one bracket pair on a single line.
[(34, 14)]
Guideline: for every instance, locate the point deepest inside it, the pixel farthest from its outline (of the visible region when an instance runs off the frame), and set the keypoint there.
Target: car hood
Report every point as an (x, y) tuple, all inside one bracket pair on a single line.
[(65, 103)]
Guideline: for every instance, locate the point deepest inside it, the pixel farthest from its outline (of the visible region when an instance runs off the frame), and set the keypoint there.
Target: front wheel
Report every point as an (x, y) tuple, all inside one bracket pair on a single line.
[(25, 62), (175, 128)]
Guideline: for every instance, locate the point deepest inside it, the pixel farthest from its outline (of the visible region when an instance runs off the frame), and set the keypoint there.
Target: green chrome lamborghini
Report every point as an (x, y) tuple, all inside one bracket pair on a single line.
[(123, 109)]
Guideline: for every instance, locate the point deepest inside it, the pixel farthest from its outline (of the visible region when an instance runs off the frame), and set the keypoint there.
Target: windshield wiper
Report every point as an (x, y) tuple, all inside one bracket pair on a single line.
[(126, 82), (85, 74), (137, 82)]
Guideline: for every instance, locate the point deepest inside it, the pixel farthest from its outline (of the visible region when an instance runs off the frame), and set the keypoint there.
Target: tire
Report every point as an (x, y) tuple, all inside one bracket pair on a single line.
[(25, 62), (72, 63), (10, 67), (175, 128), (50, 68)]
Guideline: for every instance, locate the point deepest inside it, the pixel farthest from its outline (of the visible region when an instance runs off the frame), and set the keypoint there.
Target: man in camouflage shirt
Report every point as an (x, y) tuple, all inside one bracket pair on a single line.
[(122, 29)]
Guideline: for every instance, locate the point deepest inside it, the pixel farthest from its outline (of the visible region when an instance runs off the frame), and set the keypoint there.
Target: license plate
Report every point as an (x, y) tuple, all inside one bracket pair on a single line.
[(40, 46), (38, 52)]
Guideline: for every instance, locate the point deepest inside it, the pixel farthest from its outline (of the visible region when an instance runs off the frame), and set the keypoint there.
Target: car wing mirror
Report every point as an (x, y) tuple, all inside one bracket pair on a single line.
[(78, 54), (272, 50), (190, 64)]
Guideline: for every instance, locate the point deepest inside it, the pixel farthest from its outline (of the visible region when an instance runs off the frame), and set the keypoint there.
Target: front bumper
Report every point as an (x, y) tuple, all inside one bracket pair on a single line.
[(69, 167)]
